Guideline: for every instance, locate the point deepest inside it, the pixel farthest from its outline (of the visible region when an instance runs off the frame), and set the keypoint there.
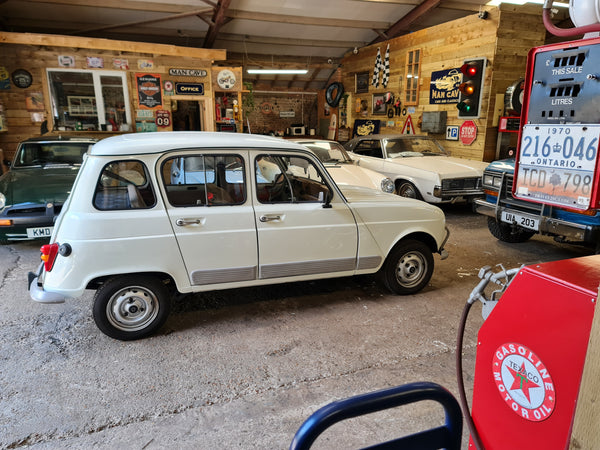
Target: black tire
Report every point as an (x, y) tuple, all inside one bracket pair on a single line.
[(408, 267), (407, 189), (338, 88), (508, 233), (131, 307)]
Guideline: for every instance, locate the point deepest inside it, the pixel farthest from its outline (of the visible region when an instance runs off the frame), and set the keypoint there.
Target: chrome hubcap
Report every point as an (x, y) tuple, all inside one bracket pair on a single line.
[(132, 308)]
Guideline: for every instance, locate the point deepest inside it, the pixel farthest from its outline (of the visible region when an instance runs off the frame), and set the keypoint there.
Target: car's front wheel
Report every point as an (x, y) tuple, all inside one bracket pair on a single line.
[(131, 306), (408, 267), (508, 233), (407, 189)]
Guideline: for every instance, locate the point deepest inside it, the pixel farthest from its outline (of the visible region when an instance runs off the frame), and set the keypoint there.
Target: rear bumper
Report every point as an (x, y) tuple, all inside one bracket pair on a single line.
[(37, 293), (548, 225)]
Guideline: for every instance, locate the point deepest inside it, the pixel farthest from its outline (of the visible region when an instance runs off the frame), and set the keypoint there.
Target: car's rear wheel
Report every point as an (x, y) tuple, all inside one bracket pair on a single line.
[(408, 267), (508, 233), (407, 189), (131, 306)]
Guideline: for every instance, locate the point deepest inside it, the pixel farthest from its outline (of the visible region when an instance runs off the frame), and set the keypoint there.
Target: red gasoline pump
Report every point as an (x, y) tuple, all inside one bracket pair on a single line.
[(531, 352)]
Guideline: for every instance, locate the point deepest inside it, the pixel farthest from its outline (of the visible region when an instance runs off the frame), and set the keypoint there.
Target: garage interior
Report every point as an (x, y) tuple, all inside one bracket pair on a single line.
[(244, 368)]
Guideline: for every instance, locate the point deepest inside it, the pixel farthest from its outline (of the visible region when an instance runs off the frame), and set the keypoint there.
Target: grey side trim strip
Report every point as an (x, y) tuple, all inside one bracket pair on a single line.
[(223, 275), (369, 262), (307, 268)]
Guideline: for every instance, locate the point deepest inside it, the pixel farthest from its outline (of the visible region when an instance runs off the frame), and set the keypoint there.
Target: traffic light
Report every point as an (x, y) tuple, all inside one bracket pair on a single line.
[(469, 102)]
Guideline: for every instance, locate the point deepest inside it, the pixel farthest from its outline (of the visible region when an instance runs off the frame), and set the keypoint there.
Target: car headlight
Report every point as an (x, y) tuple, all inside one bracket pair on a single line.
[(2, 200), (492, 180), (387, 185)]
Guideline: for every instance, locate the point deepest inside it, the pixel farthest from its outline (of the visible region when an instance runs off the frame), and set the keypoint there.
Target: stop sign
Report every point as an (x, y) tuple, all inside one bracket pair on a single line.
[(468, 132)]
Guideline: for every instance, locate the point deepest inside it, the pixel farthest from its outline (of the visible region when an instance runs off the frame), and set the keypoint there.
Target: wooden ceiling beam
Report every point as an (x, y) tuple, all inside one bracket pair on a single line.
[(404, 24), (218, 20), (121, 4), (288, 42), (305, 20), (144, 22), (110, 44)]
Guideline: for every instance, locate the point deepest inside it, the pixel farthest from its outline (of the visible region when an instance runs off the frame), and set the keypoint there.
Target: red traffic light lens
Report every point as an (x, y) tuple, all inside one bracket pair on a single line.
[(469, 70)]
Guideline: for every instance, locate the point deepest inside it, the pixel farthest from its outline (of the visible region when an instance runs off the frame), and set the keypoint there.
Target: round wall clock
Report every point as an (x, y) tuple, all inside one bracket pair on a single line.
[(226, 79), (21, 78)]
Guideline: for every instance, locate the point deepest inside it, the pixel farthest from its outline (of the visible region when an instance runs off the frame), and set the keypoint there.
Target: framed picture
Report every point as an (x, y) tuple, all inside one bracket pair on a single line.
[(361, 82), (379, 105)]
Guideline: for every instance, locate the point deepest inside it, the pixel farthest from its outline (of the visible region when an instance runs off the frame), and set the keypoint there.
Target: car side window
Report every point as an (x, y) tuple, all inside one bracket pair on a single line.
[(124, 185), (204, 180), (369, 147), (289, 179)]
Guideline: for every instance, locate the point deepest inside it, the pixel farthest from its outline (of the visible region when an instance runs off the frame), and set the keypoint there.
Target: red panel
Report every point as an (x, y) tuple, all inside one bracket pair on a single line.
[(537, 336)]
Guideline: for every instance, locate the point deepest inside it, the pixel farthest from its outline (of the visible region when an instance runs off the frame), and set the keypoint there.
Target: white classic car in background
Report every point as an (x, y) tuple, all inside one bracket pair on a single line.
[(343, 168), (153, 214), (419, 167)]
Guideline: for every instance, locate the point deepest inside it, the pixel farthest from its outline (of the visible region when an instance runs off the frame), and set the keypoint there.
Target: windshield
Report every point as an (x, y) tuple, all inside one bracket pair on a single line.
[(44, 153), (328, 152), (402, 148)]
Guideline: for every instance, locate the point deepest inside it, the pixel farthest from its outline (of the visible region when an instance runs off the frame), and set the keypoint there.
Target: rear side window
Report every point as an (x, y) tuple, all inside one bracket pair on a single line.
[(204, 180), (370, 147), (124, 185)]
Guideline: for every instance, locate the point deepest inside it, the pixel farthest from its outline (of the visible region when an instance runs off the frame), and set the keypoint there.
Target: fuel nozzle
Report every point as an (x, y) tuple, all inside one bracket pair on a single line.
[(502, 279)]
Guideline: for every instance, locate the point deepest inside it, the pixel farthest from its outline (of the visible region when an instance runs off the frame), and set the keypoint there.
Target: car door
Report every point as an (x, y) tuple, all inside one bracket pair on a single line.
[(369, 154), (212, 218), (300, 232)]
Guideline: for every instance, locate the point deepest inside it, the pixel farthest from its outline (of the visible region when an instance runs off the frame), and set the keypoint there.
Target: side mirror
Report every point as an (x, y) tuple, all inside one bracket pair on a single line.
[(328, 197)]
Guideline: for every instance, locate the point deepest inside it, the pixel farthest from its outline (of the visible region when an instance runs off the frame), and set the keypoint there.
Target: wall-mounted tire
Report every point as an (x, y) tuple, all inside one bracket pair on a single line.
[(332, 100)]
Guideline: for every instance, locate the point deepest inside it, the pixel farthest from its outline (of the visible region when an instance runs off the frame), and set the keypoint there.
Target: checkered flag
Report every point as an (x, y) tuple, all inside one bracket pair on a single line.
[(386, 67), (376, 69)]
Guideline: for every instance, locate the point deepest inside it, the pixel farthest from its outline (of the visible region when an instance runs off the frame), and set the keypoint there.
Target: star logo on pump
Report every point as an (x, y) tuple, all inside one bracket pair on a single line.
[(523, 382)]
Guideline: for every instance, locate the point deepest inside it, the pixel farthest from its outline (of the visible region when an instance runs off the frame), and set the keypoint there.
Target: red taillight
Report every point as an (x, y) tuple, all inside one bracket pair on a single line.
[(49, 252)]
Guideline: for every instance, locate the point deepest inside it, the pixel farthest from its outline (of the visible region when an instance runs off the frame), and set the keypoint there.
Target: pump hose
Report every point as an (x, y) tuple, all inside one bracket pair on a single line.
[(564, 32), (459, 378)]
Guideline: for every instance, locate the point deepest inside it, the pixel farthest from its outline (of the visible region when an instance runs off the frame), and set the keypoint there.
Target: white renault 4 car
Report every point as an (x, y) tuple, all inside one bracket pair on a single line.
[(256, 211)]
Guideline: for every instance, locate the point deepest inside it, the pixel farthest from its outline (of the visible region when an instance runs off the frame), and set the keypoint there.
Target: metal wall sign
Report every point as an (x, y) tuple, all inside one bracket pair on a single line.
[(189, 88), (187, 72)]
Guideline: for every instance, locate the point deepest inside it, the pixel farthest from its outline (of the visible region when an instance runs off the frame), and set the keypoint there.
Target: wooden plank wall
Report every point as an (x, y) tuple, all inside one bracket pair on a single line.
[(36, 58), (504, 38)]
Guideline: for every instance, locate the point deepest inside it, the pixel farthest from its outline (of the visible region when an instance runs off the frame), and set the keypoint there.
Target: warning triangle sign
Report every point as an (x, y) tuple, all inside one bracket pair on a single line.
[(408, 127)]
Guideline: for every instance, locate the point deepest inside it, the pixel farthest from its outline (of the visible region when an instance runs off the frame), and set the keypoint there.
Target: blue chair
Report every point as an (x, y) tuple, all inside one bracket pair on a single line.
[(448, 436)]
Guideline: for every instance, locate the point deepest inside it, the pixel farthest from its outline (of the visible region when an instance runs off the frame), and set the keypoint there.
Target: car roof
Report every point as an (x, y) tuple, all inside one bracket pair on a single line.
[(158, 142), (393, 136), (60, 138)]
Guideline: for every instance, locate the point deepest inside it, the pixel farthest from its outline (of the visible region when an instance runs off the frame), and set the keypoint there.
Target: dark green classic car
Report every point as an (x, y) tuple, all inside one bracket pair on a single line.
[(39, 181)]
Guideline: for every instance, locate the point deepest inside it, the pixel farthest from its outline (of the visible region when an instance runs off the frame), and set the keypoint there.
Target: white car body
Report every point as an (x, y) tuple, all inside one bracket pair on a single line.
[(343, 168), (437, 177), (126, 219)]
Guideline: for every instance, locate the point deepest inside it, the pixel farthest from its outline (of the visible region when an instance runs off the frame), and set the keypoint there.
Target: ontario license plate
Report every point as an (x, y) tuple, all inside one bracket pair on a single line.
[(556, 164), (39, 232), (523, 221)]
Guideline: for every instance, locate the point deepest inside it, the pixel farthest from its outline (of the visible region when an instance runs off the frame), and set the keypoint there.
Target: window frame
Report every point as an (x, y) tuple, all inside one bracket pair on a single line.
[(146, 185), (96, 78), (203, 154), (413, 73)]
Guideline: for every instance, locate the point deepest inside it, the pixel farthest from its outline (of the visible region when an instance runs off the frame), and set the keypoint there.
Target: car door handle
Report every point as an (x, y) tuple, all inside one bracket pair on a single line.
[(270, 217), (184, 222)]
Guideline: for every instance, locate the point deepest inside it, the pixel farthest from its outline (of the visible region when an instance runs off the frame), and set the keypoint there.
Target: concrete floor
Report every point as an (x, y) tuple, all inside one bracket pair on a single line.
[(242, 369)]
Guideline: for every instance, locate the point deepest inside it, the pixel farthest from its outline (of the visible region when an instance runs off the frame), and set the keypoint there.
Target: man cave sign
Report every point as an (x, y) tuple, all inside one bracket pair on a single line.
[(523, 382)]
